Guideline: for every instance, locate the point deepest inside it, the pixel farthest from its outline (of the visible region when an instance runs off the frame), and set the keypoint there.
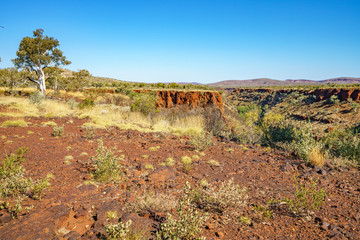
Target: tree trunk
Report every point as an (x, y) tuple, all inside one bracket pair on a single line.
[(42, 85)]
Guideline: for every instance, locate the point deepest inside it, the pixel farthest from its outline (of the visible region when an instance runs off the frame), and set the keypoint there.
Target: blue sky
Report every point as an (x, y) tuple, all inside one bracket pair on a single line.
[(196, 40)]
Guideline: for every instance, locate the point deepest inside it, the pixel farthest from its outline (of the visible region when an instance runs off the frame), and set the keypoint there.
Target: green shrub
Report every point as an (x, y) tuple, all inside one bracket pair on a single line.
[(143, 102), (307, 197), (119, 231), (58, 131), (333, 99), (201, 141), (188, 225), (14, 185), (88, 102), (186, 161), (281, 132), (36, 98), (107, 167)]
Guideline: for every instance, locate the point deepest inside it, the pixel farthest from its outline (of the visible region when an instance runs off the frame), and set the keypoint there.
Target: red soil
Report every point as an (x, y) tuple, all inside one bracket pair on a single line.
[(73, 210)]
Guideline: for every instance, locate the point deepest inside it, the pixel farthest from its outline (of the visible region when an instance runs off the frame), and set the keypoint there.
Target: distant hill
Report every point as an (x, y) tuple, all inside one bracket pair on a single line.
[(262, 82)]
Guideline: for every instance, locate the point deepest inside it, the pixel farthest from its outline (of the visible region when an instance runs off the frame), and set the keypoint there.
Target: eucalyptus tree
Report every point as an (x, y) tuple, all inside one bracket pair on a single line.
[(37, 53)]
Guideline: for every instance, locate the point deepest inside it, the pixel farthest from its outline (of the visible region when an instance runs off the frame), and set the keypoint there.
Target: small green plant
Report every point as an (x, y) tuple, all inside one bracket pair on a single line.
[(188, 224), (38, 187), (245, 220), (154, 148), (58, 131), (354, 106), (88, 102), (36, 98), (186, 161), (170, 162), (107, 167), (14, 185), (333, 99), (118, 231), (143, 102), (89, 132), (307, 197), (111, 215), (201, 141), (149, 167), (264, 211)]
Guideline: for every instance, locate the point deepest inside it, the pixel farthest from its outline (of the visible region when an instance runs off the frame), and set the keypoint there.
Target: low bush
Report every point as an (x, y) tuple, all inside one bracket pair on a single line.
[(186, 161), (13, 184), (107, 166), (201, 141), (36, 98), (227, 195), (278, 133), (307, 197), (143, 102), (189, 222), (58, 131), (88, 102), (120, 231)]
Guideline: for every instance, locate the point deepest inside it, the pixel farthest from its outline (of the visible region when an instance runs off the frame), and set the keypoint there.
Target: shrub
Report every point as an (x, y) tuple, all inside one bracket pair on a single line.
[(281, 132), (107, 167), (72, 103), (354, 106), (349, 148), (119, 230), (58, 131), (201, 141), (36, 98), (144, 102), (14, 185), (316, 157), (170, 162), (88, 102), (188, 224), (333, 99), (307, 198), (214, 122), (14, 123), (227, 195)]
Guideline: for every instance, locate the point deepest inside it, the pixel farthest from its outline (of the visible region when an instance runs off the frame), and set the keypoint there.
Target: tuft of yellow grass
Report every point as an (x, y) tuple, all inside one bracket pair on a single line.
[(14, 123), (49, 124), (316, 157)]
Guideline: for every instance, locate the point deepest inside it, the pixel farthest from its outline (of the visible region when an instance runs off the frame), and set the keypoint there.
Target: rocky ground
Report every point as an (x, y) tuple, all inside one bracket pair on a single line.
[(74, 207)]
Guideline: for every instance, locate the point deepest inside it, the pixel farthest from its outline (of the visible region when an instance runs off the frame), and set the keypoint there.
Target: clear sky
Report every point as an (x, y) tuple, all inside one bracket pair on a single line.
[(194, 40)]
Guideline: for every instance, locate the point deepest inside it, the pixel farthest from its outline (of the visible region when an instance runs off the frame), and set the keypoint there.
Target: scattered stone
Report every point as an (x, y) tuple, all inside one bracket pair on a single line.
[(162, 174)]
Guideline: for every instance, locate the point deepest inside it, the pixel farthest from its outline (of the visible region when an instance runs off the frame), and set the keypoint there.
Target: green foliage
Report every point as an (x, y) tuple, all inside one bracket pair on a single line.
[(119, 231), (354, 106), (188, 224), (37, 53), (186, 161), (58, 131), (201, 141), (13, 184), (307, 197), (143, 102), (281, 132), (11, 77), (333, 99), (107, 167), (88, 102), (242, 110), (36, 98)]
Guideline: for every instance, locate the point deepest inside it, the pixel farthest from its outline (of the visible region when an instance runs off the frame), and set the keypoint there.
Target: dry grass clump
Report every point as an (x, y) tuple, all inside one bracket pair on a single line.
[(316, 157), (186, 161), (170, 162), (214, 163), (49, 124), (21, 107), (227, 195), (152, 202), (14, 123)]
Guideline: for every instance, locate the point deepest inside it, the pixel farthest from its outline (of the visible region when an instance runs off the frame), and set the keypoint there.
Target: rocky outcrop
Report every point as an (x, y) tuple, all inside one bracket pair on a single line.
[(343, 94), (192, 99)]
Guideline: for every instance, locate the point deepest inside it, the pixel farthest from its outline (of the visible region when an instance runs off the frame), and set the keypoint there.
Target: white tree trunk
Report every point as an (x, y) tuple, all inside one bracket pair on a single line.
[(42, 85)]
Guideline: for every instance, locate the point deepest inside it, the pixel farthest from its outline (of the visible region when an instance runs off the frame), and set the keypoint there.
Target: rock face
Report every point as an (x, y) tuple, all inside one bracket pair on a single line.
[(343, 94), (192, 99)]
